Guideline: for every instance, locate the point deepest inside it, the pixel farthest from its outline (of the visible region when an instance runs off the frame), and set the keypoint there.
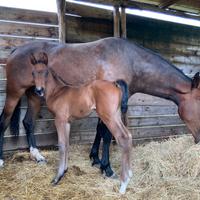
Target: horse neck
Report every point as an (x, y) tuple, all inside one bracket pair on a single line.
[(157, 77), (172, 87)]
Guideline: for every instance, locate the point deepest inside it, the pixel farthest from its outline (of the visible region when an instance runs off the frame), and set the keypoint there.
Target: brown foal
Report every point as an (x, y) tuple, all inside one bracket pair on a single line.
[(68, 103)]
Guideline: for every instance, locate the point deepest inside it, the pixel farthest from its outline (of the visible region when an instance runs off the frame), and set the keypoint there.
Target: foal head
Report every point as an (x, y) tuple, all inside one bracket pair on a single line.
[(39, 71)]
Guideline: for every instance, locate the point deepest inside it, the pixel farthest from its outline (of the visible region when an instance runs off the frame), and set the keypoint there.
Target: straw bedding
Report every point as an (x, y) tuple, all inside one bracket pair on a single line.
[(162, 170)]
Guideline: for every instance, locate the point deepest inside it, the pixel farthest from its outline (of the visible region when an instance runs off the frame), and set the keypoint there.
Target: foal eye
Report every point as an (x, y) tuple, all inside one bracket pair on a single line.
[(46, 74)]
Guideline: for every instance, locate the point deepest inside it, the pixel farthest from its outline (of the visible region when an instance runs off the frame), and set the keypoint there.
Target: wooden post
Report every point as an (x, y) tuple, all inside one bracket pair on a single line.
[(123, 22), (61, 4), (116, 16)]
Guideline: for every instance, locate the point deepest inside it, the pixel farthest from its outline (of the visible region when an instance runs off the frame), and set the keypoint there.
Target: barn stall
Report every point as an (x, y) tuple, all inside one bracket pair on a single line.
[(150, 118)]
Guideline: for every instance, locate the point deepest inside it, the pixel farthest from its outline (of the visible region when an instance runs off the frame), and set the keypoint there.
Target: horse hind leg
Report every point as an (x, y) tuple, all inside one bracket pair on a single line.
[(94, 153), (105, 162), (29, 125)]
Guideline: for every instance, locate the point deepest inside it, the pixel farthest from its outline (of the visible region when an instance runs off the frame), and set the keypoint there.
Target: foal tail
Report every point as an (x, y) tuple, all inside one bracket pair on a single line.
[(14, 121), (124, 101)]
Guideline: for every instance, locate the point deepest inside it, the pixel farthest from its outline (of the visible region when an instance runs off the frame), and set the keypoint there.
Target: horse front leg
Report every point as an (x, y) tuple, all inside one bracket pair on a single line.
[(63, 136), (3, 126), (10, 104), (29, 125)]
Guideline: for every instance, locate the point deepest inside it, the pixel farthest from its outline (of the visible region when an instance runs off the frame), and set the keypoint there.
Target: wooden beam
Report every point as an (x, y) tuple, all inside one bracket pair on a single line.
[(166, 3), (108, 2), (61, 4), (88, 11), (123, 22), (144, 6), (116, 16)]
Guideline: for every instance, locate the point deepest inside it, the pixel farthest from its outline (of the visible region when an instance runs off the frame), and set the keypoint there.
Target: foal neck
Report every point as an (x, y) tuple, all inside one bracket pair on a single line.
[(53, 84)]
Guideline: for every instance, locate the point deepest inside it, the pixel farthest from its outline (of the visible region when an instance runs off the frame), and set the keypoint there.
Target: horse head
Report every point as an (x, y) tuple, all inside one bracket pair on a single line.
[(39, 71), (189, 108)]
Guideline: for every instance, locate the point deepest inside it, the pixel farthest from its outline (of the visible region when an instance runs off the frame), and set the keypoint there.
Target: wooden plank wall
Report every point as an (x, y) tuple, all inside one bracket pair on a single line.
[(149, 117)]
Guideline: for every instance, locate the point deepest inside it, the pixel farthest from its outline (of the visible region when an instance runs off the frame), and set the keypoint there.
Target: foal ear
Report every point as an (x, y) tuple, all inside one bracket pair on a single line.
[(195, 80), (33, 59), (44, 57)]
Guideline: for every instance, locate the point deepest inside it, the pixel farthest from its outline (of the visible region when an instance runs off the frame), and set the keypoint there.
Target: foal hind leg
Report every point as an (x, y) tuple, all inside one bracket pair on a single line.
[(124, 139), (10, 104), (29, 124)]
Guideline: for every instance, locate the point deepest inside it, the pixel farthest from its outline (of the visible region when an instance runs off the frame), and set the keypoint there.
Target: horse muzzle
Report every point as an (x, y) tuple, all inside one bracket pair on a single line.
[(39, 91)]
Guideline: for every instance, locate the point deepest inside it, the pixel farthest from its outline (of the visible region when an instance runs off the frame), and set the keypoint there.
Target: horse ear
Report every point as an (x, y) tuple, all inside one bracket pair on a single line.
[(44, 57), (33, 59), (195, 80)]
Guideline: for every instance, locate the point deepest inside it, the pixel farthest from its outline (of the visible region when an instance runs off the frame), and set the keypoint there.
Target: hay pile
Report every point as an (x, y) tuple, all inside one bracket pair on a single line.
[(167, 170)]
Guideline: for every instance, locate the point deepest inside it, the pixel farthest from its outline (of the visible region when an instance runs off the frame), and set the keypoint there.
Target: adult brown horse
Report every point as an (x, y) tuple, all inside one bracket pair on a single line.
[(68, 103), (109, 59)]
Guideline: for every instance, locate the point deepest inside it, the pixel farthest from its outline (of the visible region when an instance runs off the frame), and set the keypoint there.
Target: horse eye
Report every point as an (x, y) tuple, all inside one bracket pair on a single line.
[(33, 74)]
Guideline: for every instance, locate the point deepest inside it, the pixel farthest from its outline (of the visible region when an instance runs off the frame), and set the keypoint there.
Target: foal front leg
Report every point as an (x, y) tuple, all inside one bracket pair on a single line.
[(63, 143), (67, 133)]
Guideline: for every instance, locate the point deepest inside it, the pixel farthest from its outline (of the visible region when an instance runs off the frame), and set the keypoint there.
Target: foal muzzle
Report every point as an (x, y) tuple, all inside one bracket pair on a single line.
[(39, 91)]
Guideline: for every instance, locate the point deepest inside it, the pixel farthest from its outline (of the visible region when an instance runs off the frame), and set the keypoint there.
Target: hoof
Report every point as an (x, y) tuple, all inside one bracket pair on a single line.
[(107, 171), (97, 165), (114, 176), (55, 181), (123, 186), (130, 173), (35, 154), (1, 163), (42, 162), (95, 161)]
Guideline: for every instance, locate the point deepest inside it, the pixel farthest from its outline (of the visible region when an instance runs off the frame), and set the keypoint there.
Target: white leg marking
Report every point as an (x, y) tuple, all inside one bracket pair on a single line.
[(36, 154), (130, 173), (124, 186), (1, 163)]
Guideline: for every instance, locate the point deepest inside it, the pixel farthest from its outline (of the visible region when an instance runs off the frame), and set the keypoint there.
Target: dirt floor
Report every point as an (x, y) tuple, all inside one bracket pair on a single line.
[(166, 170)]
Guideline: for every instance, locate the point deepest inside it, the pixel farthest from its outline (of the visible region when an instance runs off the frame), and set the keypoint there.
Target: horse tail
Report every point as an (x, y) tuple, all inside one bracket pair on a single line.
[(14, 121), (124, 101), (125, 94)]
